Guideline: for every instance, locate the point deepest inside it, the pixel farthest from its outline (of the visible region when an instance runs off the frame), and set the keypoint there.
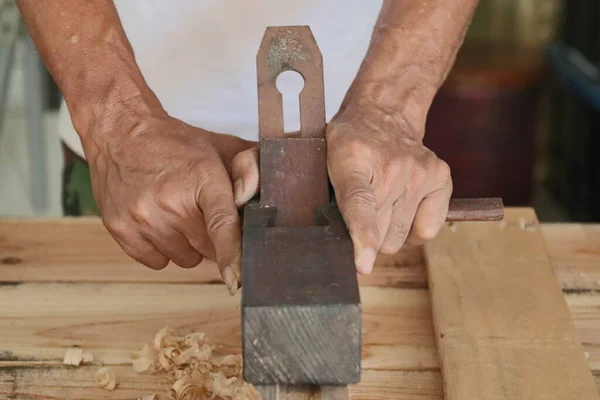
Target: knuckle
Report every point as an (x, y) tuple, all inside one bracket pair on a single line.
[(219, 219), (395, 238), (117, 227), (442, 171), (140, 212), (360, 196), (398, 231), (168, 202)]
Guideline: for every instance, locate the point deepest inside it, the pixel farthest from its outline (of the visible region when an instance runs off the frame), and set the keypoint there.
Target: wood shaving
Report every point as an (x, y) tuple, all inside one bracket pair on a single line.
[(88, 358), (105, 378), (145, 359), (195, 372), (73, 356)]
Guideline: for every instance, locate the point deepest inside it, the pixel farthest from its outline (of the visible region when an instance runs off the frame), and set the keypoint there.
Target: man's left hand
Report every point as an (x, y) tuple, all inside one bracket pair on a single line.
[(389, 187)]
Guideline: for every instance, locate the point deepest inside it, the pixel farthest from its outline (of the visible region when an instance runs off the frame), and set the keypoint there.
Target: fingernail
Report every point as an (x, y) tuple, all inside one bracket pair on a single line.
[(238, 190), (230, 280), (365, 260)]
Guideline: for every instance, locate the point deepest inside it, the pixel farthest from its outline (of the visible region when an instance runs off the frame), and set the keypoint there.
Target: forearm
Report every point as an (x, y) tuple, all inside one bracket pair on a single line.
[(413, 47), (85, 48)]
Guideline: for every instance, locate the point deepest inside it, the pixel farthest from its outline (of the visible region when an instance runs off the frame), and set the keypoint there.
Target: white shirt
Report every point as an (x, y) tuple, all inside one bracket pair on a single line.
[(199, 56)]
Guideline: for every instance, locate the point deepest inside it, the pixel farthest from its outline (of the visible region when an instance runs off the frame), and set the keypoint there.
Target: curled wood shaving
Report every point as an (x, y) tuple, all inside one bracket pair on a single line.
[(73, 356), (196, 373), (203, 353), (145, 359), (164, 338), (106, 378), (186, 390)]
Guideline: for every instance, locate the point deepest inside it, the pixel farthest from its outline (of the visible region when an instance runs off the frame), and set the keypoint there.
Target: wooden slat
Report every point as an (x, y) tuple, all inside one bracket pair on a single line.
[(502, 325), (80, 250)]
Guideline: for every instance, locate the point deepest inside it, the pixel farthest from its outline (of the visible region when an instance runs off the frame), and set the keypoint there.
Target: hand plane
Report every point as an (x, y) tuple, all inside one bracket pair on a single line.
[(301, 310)]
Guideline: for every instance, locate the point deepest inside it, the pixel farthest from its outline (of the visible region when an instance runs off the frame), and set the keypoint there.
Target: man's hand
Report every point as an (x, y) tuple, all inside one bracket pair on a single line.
[(165, 193), (389, 187)]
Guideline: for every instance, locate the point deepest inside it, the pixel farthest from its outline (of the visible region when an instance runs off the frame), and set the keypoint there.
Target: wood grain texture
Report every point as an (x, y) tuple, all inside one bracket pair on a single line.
[(78, 250), (303, 392), (400, 358), (502, 324), (50, 250), (38, 321), (575, 253)]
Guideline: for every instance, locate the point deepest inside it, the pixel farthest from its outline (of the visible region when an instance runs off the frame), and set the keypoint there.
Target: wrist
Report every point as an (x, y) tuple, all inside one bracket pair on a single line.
[(379, 121)]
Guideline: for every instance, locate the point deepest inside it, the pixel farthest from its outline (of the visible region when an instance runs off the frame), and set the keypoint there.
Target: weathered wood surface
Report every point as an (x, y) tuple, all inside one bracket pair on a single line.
[(78, 289), (502, 325), (80, 250)]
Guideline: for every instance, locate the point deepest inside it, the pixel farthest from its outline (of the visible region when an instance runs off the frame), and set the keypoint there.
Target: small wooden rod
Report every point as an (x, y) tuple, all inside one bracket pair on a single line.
[(484, 209)]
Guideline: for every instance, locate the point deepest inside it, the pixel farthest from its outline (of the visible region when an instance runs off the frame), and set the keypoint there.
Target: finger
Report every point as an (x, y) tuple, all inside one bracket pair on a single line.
[(174, 245), (215, 199), (194, 229), (384, 217), (244, 173), (357, 203), (134, 245), (402, 217), (430, 216)]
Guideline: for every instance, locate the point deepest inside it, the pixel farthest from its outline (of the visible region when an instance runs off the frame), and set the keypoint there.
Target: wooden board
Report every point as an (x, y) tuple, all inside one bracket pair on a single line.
[(574, 250), (80, 250), (111, 306), (398, 337), (502, 324)]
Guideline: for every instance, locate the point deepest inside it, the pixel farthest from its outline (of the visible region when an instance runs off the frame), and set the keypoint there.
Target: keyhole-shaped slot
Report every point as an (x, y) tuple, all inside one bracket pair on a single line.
[(290, 84)]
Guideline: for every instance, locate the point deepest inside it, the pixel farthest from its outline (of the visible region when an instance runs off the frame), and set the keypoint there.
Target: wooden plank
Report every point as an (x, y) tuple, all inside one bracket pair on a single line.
[(114, 319), (575, 253), (397, 327), (80, 250), (399, 350), (502, 325), (60, 382)]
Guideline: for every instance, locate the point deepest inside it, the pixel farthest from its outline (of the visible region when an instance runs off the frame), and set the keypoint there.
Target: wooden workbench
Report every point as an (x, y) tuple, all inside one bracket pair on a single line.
[(64, 282)]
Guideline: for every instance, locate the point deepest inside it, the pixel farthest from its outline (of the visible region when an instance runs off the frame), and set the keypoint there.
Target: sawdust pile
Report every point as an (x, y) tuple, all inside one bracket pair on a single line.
[(196, 374)]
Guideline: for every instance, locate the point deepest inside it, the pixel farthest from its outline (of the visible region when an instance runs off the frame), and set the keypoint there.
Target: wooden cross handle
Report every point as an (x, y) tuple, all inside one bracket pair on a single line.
[(484, 209)]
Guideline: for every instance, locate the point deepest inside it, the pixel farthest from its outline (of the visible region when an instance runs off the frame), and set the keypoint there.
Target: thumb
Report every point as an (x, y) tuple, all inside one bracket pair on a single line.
[(244, 174), (357, 203)]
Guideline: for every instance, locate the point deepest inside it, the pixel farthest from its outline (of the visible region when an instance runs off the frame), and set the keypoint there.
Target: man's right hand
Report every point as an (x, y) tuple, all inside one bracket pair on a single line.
[(165, 193)]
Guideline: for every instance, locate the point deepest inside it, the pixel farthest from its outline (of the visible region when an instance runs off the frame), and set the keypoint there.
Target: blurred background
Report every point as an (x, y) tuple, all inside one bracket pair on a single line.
[(518, 117)]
